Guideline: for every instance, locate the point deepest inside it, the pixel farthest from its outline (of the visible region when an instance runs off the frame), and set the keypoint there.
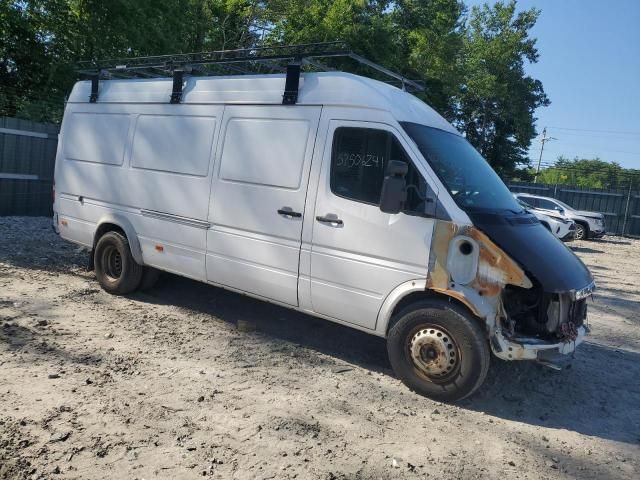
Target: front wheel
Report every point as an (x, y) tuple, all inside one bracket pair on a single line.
[(581, 232), (438, 350)]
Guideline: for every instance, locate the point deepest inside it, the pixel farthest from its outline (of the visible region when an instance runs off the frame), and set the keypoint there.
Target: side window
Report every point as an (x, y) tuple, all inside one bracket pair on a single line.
[(358, 165), (546, 204)]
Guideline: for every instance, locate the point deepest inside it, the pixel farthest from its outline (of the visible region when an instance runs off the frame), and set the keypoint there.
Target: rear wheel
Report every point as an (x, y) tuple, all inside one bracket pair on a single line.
[(582, 233), (438, 350), (116, 270)]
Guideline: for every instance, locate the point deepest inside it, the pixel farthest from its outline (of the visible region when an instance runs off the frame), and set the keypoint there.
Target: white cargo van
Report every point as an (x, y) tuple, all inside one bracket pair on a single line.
[(353, 201)]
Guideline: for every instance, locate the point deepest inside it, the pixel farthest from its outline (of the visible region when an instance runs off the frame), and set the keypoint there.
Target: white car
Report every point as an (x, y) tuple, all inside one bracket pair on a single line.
[(588, 224), (329, 193), (562, 228)]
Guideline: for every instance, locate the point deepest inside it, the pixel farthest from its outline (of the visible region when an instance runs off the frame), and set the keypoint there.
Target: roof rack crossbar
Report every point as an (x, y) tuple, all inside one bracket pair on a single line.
[(279, 51), (241, 61)]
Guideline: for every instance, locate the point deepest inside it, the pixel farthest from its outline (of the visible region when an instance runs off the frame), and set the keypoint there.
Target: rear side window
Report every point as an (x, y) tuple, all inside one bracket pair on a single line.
[(358, 163)]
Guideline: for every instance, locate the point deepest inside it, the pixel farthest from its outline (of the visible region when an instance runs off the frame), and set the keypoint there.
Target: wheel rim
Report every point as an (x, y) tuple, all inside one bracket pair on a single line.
[(433, 353), (112, 263), (579, 232)]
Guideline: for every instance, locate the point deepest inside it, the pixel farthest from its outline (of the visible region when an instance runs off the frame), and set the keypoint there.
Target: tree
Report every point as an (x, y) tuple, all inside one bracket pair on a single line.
[(430, 36), (472, 63), (24, 62), (498, 100), (593, 173)]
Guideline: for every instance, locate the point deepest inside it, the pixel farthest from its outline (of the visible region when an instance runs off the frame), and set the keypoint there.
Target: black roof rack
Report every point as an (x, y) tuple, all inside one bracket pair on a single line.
[(289, 59)]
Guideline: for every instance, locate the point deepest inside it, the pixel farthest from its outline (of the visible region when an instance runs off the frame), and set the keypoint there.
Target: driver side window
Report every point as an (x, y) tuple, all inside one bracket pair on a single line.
[(547, 204), (358, 164)]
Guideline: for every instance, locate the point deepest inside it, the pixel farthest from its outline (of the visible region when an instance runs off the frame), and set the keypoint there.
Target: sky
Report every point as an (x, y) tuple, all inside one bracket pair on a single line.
[(589, 66)]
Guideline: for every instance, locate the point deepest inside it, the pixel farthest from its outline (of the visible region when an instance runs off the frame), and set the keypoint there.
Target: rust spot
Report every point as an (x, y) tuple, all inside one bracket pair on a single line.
[(442, 235), (458, 296), (495, 268), (496, 260)]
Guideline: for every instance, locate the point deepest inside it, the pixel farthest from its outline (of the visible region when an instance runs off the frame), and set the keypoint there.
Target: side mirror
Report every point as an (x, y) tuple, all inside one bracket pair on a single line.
[(394, 187)]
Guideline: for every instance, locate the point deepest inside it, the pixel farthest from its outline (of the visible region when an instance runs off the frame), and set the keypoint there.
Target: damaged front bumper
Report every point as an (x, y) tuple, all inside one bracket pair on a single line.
[(528, 348)]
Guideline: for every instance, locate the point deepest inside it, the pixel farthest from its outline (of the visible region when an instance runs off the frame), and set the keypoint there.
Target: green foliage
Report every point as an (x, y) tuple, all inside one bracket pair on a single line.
[(498, 100), (472, 63), (593, 173)]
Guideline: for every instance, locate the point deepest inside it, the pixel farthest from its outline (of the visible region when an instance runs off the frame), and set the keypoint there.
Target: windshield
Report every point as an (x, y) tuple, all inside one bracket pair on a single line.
[(524, 204), (469, 178)]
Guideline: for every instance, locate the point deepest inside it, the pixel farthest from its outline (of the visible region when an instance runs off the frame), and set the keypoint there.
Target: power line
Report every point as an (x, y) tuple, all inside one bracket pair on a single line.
[(615, 132), (620, 136), (594, 154)]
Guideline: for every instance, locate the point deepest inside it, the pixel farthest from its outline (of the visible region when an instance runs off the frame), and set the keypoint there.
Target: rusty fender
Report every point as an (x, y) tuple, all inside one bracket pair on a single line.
[(466, 265)]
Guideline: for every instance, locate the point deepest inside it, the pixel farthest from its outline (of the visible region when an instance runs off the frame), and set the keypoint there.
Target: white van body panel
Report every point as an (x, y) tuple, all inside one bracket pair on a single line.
[(355, 265), (197, 186), (149, 163), (263, 167)]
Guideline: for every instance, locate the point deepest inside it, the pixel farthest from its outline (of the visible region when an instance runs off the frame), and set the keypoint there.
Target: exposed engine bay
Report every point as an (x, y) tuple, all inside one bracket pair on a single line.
[(546, 316)]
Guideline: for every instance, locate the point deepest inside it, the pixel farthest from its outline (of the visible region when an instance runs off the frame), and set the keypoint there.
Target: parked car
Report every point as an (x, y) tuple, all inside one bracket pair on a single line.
[(333, 194), (588, 224), (562, 228)]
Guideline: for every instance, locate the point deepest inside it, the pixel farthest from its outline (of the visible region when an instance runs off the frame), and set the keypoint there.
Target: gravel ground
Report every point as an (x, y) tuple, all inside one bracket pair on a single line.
[(163, 385)]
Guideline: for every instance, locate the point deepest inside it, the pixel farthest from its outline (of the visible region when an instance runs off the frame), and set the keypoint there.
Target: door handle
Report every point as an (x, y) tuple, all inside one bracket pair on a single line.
[(331, 220), (287, 212)]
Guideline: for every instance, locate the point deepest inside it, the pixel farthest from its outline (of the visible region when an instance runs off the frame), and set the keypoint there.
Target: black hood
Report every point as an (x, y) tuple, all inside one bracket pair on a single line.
[(541, 255)]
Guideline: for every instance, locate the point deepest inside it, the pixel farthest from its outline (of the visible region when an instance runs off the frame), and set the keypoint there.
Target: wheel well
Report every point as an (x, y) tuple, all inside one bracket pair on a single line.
[(421, 296), (107, 227), (583, 223), (100, 231)]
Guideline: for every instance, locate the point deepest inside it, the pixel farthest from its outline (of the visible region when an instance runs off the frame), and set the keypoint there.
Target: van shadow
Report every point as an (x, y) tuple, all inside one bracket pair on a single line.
[(330, 338), (598, 396)]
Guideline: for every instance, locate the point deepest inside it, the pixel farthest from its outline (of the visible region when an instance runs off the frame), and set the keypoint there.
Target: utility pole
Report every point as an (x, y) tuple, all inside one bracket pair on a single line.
[(543, 140)]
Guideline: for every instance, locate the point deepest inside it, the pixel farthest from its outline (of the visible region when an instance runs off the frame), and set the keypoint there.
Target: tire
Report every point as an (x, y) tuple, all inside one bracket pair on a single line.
[(582, 232), (150, 277), (451, 349), (116, 270)]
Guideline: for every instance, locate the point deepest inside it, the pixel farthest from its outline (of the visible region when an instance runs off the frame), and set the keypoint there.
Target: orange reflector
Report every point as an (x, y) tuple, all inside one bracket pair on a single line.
[(63, 222), (160, 248)]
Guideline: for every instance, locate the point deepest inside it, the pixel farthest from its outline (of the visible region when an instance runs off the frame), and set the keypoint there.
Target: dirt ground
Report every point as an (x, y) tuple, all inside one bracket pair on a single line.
[(163, 385)]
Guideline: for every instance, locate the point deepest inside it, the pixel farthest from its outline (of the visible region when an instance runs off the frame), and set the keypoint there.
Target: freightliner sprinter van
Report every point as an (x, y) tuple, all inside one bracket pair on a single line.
[(356, 203)]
